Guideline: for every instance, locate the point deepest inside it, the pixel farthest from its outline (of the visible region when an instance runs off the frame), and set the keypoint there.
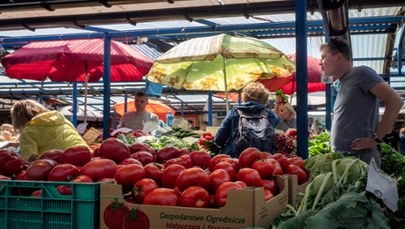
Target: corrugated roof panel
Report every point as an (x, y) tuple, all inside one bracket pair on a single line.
[(369, 46), (151, 53), (382, 11), (287, 45), (376, 65)]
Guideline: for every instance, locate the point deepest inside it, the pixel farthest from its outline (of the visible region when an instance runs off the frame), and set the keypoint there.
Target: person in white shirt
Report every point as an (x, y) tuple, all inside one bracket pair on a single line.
[(135, 119)]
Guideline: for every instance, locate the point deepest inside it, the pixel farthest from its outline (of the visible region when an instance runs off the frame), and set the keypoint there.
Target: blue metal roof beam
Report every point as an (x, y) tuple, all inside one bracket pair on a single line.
[(357, 25)]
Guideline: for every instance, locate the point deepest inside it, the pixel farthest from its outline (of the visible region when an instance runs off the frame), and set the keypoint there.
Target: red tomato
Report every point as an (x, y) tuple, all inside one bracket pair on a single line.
[(296, 170), (144, 157), (217, 177), (37, 193), (282, 160), (202, 142), (227, 167), (53, 154), (4, 178), (298, 161), (250, 176), (99, 168), (194, 176), (114, 214), (137, 133), (216, 159), (64, 189), (292, 132), (96, 152), (194, 196), (154, 171), (20, 175), (250, 155), (129, 174), (107, 180), (222, 192), (170, 174), (267, 168), (137, 146), (114, 149), (208, 136), (162, 196), (82, 178), (128, 161), (143, 187), (270, 185), (201, 159), (39, 170), (183, 160), (234, 162), (241, 184), (10, 163), (63, 172), (136, 219), (184, 151), (76, 155), (268, 195), (167, 153)]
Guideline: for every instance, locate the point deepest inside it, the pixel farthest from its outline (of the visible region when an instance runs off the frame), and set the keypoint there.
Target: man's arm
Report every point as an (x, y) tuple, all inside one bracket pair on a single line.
[(154, 117), (121, 123), (393, 104)]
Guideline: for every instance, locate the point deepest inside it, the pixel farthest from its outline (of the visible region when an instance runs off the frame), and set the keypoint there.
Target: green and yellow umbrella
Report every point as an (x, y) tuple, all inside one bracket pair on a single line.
[(219, 63)]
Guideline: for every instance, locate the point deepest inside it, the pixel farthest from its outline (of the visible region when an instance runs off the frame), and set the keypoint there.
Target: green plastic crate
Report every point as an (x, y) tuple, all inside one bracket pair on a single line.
[(19, 210)]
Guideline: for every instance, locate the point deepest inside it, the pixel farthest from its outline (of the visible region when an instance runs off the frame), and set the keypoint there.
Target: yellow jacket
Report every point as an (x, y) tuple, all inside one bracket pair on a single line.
[(49, 130)]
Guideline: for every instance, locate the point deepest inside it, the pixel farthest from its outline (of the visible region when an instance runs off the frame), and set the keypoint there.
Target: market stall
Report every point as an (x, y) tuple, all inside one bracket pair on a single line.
[(180, 179)]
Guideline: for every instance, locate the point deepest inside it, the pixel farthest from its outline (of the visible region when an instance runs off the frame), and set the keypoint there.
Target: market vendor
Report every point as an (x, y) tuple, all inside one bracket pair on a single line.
[(135, 119), (287, 115), (42, 129)]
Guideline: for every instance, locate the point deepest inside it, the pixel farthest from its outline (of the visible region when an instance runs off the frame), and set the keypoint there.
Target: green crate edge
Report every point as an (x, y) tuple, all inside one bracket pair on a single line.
[(84, 205)]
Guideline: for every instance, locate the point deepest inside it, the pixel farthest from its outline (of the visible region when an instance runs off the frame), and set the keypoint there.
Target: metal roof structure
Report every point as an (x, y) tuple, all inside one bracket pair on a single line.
[(370, 27), (22, 14)]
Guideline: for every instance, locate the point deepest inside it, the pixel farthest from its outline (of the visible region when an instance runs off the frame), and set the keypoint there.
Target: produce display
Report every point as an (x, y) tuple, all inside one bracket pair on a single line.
[(171, 171), (335, 194)]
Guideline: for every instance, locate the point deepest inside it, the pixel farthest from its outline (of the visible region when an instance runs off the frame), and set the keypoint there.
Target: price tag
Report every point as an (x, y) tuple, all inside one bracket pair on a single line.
[(191, 140), (91, 135), (121, 130), (382, 186)]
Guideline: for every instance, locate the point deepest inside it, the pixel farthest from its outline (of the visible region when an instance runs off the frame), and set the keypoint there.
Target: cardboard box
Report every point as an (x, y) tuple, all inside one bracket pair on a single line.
[(296, 191), (244, 208)]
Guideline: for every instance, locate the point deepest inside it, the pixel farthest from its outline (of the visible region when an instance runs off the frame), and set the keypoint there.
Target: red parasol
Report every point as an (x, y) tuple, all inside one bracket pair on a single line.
[(289, 84), (75, 61)]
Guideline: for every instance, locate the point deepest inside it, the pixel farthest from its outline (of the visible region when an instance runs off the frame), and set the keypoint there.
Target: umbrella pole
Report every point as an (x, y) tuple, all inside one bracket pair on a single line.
[(292, 90), (226, 88), (86, 80), (85, 100)]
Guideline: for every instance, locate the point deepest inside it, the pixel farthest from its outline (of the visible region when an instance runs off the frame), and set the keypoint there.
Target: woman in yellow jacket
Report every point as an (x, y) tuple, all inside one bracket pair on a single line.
[(42, 129)]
